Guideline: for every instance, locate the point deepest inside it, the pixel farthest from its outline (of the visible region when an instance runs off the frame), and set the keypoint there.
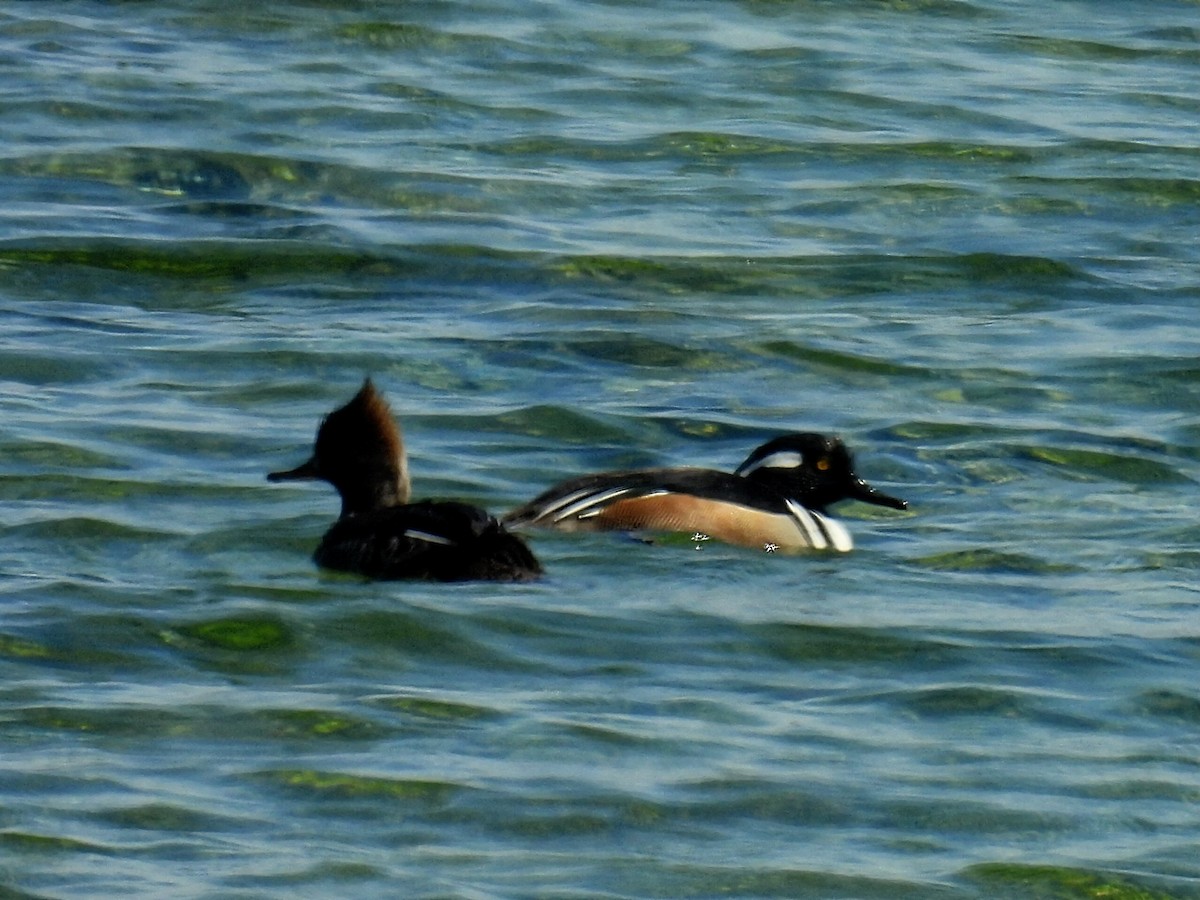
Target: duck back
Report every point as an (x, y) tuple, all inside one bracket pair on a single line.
[(432, 540)]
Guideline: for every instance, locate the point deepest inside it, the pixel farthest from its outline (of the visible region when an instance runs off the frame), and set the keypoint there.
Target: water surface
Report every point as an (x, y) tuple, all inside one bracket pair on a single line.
[(565, 236)]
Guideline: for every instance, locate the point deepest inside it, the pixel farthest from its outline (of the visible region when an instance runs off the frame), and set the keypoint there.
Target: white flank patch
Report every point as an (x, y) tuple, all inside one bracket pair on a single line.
[(807, 520), (838, 535), (428, 537), (782, 459)]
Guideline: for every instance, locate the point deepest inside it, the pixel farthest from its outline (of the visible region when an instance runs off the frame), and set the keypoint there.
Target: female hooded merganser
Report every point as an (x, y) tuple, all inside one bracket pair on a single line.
[(775, 500), (379, 533)]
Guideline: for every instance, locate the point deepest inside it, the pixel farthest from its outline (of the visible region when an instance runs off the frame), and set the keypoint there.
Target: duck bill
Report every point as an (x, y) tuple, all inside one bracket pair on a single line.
[(303, 471), (860, 490)]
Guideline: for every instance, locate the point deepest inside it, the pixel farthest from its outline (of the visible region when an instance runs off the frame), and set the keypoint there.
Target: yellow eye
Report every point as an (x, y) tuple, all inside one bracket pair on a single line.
[(823, 464)]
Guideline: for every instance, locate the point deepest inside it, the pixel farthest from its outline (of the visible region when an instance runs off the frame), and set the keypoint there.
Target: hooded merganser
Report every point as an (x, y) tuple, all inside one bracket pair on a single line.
[(774, 501), (379, 533)]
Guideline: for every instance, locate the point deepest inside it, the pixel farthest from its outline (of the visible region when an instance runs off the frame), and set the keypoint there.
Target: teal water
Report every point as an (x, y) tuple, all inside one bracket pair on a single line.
[(566, 236)]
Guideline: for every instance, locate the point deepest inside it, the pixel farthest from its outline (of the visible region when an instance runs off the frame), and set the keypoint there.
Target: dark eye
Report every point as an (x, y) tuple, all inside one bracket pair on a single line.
[(823, 464)]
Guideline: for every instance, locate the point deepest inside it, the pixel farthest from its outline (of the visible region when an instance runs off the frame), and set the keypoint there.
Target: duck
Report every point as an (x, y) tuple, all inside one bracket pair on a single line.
[(380, 532), (777, 500)]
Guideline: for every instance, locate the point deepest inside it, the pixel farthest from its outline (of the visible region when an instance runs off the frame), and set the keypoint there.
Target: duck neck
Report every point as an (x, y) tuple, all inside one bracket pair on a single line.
[(385, 487), (791, 485)]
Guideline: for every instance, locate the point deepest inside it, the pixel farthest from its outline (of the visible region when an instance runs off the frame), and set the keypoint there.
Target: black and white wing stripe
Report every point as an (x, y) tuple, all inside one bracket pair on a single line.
[(588, 503)]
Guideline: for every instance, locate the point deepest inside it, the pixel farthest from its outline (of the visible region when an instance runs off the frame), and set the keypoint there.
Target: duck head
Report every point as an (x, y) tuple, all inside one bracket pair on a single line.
[(814, 469), (360, 452)]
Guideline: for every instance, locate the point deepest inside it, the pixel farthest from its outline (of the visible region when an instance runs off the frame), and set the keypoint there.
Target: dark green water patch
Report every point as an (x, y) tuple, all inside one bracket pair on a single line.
[(1172, 705), (203, 261), (925, 432), (410, 36), (585, 733), (997, 266), (827, 644), (1159, 193), (1098, 51), (89, 646), (305, 724), (241, 633), (50, 454), (338, 873), (170, 817), (84, 528), (972, 818), (176, 173), (1135, 790), (421, 634), (110, 722), (340, 785), (673, 275), (726, 801), (949, 151), (1099, 464), (753, 882), (838, 361), (559, 423), (237, 645), (987, 559), (549, 820), (432, 709), (1045, 882), (968, 700), (650, 353), (15, 647), (183, 174), (26, 842)]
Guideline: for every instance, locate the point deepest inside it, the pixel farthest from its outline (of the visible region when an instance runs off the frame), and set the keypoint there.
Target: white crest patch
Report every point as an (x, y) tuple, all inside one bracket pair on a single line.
[(781, 459)]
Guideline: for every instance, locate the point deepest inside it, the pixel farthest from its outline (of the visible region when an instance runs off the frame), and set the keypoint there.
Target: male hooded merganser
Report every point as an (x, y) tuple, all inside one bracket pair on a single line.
[(774, 501), (379, 533)]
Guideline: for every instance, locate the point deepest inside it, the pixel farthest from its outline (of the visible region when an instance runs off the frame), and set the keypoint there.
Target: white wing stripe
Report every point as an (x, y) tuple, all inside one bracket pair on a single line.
[(559, 503), (428, 537), (581, 504)]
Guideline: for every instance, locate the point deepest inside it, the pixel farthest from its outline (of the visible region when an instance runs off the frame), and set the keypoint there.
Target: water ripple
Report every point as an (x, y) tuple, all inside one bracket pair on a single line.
[(567, 237)]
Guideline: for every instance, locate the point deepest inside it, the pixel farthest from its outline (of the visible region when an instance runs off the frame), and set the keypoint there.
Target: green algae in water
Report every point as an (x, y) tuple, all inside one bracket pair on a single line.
[(810, 644), (1114, 466), (840, 361), (442, 710), (1058, 883), (676, 276), (1171, 705), (343, 785), (250, 633), (985, 559), (19, 648), (557, 422), (305, 723), (967, 700), (654, 354), (201, 261), (27, 842)]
